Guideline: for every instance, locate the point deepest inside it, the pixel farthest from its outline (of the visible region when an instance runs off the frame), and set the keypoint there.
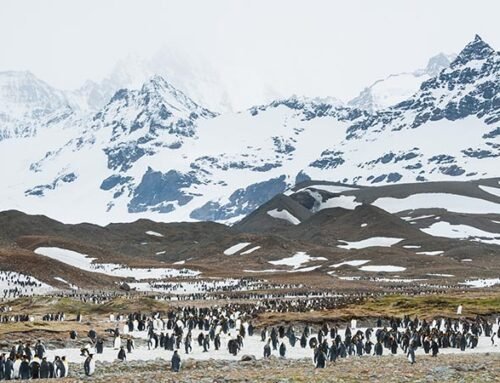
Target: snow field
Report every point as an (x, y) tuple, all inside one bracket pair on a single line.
[(297, 260), (251, 345), (84, 262), (284, 215), (451, 202), (351, 263), (371, 242), (236, 248)]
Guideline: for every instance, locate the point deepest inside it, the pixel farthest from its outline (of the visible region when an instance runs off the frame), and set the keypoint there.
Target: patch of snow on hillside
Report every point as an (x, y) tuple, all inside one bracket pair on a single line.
[(332, 188), (490, 190), (411, 247), (417, 218), (438, 252), (364, 225), (71, 286), (284, 215), (84, 262), (236, 248), (399, 280), (181, 288), (384, 268), (327, 188), (304, 269), (440, 275), (451, 202), (345, 202), (154, 233), (297, 260), (23, 284), (356, 262), (249, 251), (481, 282), (445, 229), (371, 242)]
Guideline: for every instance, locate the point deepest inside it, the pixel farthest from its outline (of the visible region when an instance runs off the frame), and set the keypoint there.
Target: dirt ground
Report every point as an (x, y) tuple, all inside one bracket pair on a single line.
[(473, 368)]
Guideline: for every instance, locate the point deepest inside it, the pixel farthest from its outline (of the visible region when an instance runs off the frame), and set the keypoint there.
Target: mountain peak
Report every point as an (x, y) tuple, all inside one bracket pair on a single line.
[(437, 63), (23, 95), (155, 83), (477, 49)]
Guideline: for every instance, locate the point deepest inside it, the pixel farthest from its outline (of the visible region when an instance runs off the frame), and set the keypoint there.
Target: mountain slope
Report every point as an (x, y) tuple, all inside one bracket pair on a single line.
[(430, 234), (399, 87), (155, 153), (276, 215)]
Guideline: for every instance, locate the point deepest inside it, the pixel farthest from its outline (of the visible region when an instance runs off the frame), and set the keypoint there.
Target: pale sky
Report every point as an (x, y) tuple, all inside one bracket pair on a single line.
[(309, 47)]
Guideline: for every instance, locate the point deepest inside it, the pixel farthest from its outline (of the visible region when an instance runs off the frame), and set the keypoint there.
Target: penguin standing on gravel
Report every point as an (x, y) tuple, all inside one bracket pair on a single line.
[(319, 358), (333, 352), (122, 355), (65, 363), (411, 352), (89, 365), (176, 362)]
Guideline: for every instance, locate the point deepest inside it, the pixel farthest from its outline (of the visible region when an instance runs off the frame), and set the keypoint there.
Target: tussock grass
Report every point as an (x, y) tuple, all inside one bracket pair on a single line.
[(429, 307)]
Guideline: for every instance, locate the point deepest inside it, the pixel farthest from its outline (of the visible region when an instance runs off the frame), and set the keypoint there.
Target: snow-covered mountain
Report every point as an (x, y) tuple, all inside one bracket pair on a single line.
[(398, 87), (154, 152), (27, 104)]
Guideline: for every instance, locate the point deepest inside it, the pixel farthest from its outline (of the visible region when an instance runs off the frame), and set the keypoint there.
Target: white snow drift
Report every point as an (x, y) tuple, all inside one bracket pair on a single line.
[(384, 269), (84, 262), (445, 229), (451, 202), (284, 215), (356, 262), (297, 260), (236, 248), (154, 233), (371, 242)]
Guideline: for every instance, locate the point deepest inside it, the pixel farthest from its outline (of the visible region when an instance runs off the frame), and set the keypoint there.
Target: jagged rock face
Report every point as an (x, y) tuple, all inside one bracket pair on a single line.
[(242, 201), (153, 152), (157, 189), (157, 107)]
